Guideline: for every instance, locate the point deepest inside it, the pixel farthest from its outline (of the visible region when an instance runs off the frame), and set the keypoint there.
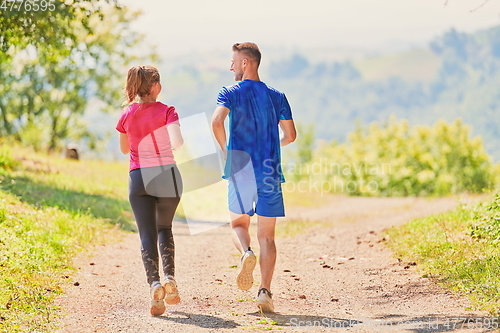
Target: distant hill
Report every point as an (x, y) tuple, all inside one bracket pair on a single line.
[(455, 75)]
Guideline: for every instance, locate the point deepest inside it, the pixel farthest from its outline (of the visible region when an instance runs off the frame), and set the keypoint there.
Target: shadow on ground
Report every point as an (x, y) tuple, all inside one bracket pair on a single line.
[(40, 195), (203, 321)]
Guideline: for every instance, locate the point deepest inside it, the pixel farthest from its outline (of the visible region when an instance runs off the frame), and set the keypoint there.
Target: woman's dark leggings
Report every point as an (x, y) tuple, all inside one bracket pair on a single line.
[(154, 195)]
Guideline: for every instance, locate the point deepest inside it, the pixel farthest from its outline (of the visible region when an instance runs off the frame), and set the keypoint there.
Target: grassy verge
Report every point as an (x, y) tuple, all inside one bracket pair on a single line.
[(94, 188), (51, 208), (460, 249)]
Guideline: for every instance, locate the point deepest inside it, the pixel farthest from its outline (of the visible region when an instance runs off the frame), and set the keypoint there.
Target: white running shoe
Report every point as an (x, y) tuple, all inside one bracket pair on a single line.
[(245, 277), (157, 295), (171, 292), (265, 300)]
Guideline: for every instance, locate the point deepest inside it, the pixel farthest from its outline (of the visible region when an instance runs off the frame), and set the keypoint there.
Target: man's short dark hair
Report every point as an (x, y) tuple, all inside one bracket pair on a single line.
[(251, 50)]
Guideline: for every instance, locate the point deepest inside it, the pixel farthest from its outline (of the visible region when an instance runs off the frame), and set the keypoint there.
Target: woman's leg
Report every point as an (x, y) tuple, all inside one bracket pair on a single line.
[(165, 209), (144, 208)]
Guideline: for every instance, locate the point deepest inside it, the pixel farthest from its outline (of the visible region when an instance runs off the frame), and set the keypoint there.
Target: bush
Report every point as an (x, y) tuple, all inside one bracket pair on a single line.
[(487, 222), (394, 159), (6, 159)]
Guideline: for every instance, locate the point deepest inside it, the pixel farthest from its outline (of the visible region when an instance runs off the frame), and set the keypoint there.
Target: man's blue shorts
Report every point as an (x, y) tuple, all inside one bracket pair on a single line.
[(265, 199)]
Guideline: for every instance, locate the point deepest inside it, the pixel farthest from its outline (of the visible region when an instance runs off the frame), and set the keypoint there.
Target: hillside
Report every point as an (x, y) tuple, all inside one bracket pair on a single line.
[(455, 75)]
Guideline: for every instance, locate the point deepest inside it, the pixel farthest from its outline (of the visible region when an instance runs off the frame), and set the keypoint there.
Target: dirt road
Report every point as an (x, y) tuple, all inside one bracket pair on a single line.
[(334, 278)]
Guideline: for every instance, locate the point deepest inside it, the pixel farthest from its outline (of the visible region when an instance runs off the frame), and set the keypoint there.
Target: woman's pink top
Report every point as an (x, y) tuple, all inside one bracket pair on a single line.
[(145, 126)]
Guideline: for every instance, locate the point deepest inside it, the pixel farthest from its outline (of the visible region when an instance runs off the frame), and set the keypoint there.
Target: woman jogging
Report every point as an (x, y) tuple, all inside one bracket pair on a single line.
[(149, 131)]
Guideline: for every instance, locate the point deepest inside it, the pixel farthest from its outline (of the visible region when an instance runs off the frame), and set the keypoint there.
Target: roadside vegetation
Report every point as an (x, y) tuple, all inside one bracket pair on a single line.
[(459, 249), (51, 209), (392, 158)]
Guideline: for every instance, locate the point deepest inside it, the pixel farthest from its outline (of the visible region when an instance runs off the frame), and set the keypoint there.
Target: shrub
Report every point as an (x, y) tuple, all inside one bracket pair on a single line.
[(6, 159), (487, 222), (394, 159)]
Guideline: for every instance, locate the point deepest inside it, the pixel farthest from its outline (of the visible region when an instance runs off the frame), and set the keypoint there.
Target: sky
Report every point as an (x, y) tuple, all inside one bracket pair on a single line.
[(180, 27)]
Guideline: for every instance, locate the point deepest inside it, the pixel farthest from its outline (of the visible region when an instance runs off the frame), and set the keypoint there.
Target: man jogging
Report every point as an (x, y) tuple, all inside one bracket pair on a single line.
[(253, 162)]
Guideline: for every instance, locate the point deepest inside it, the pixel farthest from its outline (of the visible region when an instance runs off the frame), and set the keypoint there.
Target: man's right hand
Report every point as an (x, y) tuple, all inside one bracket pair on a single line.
[(289, 132)]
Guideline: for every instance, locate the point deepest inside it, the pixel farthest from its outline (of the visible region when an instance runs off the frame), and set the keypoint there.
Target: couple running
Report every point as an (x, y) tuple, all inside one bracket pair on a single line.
[(150, 130)]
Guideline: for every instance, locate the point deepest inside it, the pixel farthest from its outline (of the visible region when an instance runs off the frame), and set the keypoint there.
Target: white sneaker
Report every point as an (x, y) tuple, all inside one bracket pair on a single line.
[(245, 277), (157, 295), (171, 292), (265, 301)]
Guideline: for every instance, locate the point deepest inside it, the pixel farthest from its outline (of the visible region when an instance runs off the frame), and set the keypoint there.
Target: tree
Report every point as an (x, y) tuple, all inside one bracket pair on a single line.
[(48, 24), (47, 86)]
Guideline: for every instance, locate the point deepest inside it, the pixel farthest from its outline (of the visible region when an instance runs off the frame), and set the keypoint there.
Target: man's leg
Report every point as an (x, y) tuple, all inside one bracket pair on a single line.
[(240, 224), (241, 238), (241, 196), (267, 257)]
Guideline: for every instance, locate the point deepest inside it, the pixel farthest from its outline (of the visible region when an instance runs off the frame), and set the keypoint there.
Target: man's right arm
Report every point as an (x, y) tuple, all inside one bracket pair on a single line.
[(218, 118), (289, 132)]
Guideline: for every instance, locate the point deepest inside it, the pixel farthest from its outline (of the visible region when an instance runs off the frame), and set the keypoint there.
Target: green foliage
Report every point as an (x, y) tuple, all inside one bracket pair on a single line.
[(394, 159), (46, 81), (6, 159), (444, 248), (36, 247), (35, 135), (487, 222), (52, 21), (304, 145)]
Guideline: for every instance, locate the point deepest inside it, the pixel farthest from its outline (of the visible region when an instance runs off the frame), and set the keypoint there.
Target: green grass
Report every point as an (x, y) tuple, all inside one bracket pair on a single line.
[(448, 248), (50, 209), (36, 248), (93, 188)]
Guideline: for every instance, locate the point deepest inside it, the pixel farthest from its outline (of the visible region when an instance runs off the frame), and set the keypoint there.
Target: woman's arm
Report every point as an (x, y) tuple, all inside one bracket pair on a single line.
[(174, 132), (124, 146)]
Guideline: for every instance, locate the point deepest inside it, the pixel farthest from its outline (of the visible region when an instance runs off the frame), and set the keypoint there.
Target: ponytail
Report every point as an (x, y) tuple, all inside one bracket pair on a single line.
[(140, 80)]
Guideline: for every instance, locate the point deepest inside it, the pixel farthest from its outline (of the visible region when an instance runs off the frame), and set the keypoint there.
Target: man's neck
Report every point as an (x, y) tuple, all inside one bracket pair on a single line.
[(251, 76)]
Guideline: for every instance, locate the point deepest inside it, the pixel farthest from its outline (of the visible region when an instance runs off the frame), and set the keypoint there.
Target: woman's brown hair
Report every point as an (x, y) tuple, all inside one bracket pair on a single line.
[(140, 80)]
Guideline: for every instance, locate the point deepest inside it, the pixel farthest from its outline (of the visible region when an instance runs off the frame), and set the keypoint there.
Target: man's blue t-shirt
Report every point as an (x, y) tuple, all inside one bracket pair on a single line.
[(255, 112)]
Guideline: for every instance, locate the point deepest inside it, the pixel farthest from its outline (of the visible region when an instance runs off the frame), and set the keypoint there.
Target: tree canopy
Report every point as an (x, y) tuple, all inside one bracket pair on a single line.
[(54, 61)]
